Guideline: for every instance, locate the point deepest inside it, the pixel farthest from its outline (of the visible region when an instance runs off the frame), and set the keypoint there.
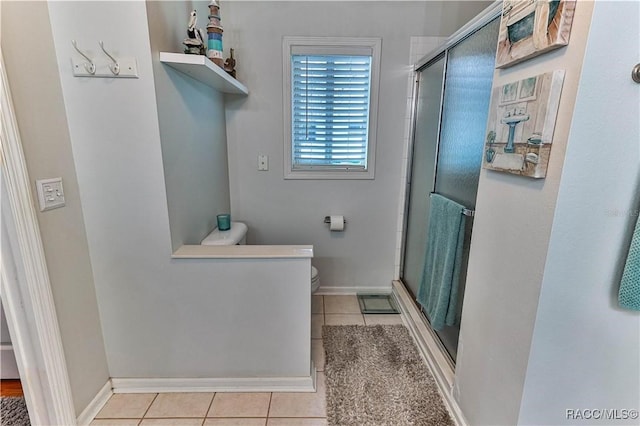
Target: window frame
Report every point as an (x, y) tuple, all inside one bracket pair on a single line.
[(331, 46)]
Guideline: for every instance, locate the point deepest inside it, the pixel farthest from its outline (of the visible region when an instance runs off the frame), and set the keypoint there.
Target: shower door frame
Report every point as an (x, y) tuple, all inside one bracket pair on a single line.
[(441, 52)]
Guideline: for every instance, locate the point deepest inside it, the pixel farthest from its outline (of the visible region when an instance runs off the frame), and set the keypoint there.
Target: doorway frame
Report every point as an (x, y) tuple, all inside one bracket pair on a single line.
[(25, 284)]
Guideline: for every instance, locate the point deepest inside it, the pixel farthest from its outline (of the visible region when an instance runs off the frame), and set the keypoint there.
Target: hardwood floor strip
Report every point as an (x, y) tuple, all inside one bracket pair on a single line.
[(11, 388)]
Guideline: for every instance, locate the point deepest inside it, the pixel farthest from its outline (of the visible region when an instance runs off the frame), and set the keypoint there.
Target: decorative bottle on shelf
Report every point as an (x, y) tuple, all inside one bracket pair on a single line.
[(230, 65), (214, 34)]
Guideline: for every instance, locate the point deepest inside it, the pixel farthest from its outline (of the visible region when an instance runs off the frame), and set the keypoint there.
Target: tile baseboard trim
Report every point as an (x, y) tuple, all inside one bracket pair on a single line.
[(96, 404), (345, 291), (427, 346), (266, 384)]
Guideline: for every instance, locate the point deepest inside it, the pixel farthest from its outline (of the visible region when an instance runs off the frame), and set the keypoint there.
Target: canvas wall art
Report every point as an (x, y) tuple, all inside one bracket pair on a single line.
[(522, 118), (531, 27)]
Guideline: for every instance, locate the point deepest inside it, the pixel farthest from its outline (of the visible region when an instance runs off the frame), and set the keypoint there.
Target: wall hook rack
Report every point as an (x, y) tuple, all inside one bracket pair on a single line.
[(115, 67), (101, 67), (89, 67)]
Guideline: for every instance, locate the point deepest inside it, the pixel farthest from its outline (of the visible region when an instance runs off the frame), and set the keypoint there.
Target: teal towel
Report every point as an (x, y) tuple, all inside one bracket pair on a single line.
[(438, 291), (629, 294)]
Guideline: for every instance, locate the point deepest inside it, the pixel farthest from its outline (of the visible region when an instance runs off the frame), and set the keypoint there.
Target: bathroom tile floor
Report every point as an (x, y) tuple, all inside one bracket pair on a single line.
[(244, 409)]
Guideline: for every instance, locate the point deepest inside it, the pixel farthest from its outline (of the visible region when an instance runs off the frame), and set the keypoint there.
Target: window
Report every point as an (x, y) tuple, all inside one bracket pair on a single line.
[(331, 91)]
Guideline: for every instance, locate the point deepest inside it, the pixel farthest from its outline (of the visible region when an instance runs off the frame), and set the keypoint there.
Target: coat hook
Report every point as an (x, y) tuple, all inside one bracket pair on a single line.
[(115, 68), (90, 67)]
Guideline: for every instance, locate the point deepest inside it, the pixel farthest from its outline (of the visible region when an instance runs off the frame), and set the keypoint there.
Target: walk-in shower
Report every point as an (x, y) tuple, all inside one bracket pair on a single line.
[(453, 89)]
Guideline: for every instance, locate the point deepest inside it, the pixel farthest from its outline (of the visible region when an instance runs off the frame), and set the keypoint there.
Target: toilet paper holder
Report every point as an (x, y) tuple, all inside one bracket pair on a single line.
[(327, 219)]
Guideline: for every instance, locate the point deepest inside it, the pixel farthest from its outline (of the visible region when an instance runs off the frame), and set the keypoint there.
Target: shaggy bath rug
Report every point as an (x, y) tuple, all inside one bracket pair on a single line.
[(13, 412), (375, 376)]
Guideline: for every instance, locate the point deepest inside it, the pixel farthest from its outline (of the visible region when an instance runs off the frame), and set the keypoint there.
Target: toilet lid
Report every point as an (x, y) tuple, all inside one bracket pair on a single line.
[(314, 272)]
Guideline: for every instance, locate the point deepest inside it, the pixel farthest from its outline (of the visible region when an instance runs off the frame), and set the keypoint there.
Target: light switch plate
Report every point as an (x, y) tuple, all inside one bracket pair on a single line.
[(50, 193)]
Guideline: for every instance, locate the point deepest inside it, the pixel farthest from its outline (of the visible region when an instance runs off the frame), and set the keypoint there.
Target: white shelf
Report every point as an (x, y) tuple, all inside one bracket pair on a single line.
[(204, 70)]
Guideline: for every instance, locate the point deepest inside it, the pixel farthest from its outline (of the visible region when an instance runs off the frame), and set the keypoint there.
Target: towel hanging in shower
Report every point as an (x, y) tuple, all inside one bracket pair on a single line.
[(629, 293), (438, 291)]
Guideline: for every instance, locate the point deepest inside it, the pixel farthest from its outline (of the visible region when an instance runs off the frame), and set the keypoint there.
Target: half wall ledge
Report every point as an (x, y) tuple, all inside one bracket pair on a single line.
[(243, 252)]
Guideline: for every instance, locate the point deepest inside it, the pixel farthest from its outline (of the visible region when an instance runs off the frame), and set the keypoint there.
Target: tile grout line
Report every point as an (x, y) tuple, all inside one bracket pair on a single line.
[(206, 415), (268, 409), (149, 407)]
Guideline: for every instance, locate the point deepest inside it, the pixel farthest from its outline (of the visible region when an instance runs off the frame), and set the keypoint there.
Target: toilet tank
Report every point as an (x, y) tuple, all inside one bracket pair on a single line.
[(236, 235)]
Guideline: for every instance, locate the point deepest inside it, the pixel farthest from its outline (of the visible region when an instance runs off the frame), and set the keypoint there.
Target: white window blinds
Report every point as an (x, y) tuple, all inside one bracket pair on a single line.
[(330, 101)]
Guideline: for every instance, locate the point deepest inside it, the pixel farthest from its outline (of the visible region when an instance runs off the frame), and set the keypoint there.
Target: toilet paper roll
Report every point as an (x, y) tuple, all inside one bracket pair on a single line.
[(336, 223)]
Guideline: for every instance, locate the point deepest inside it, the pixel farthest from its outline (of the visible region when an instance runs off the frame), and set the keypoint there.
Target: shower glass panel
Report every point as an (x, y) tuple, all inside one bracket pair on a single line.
[(423, 172), (465, 109), (459, 149), (467, 92)]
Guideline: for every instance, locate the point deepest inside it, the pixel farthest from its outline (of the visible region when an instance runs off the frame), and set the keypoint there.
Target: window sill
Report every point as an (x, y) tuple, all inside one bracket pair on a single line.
[(328, 175)]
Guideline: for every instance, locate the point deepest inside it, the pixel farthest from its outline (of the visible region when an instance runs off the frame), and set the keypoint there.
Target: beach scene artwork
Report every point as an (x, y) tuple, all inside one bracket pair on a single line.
[(531, 27)]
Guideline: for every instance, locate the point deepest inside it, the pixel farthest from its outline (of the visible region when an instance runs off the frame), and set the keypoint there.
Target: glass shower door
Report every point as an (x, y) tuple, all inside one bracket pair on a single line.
[(423, 170), (458, 150)]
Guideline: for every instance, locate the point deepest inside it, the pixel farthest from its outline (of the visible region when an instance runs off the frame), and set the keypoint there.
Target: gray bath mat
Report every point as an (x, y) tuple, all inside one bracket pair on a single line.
[(13, 412), (375, 376)]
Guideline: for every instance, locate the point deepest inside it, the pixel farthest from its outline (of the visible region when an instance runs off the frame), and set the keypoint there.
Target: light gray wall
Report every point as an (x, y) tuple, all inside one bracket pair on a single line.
[(192, 130), (163, 317), (509, 245), (37, 97), (280, 211), (586, 350), (4, 328), (8, 365)]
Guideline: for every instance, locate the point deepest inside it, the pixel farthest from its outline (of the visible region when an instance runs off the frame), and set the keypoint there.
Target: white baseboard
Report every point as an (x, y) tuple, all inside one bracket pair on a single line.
[(437, 362), (265, 384), (94, 407), (339, 291)]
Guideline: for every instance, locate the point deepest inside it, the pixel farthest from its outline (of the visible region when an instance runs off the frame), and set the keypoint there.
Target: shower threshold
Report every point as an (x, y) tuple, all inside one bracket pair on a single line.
[(377, 304)]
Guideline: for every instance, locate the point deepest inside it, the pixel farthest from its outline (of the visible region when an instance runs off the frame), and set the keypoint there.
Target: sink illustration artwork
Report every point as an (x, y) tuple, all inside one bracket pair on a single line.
[(520, 125), (512, 121), (490, 152)]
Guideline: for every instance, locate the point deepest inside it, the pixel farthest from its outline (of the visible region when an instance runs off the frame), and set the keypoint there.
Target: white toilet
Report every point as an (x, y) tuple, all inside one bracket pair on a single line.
[(315, 279), (238, 235)]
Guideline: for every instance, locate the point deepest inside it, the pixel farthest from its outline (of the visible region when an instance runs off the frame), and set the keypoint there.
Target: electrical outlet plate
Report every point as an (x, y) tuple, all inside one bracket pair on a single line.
[(50, 193), (263, 162)]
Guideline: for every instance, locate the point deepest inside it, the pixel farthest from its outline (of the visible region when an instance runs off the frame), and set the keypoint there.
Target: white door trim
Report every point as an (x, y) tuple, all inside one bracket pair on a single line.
[(31, 314)]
